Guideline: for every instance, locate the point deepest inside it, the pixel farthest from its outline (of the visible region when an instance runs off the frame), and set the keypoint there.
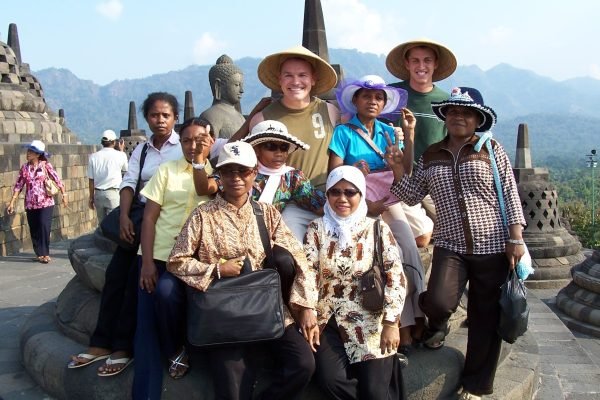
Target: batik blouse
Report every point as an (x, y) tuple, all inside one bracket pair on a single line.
[(32, 178), (337, 275)]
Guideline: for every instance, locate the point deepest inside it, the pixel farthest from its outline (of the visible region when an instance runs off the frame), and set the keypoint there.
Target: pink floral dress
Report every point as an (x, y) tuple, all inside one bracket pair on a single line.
[(32, 177)]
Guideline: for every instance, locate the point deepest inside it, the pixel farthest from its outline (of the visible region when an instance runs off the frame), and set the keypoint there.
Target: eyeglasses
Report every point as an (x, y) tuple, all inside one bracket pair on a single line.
[(242, 172), (274, 146), (335, 192)]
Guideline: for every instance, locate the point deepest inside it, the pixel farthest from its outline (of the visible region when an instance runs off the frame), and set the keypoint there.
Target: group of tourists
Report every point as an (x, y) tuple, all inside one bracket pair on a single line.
[(340, 188)]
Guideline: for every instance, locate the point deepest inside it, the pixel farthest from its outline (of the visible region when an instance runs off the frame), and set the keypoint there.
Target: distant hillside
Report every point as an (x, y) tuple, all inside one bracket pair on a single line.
[(562, 116)]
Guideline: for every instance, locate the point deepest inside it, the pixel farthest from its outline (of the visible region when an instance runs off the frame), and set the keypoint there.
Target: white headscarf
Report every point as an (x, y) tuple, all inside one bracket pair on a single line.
[(345, 227)]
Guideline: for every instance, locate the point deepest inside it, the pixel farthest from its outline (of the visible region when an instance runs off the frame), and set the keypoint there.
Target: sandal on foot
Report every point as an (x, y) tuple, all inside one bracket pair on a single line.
[(125, 361), (179, 365), (89, 358), (434, 340), (405, 349)]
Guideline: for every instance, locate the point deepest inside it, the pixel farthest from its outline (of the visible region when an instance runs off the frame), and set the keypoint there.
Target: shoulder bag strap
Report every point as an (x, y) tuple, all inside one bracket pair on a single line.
[(378, 258), (367, 139), (487, 139), (139, 181), (262, 228)]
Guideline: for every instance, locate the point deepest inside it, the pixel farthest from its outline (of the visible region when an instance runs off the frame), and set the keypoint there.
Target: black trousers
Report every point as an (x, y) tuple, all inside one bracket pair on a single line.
[(40, 223), (234, 368), (485, 274), (116, 324), (376, 379)]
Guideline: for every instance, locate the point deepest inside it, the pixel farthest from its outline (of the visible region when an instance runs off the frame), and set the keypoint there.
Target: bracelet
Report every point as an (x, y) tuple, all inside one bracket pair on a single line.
[(218, 271), (198, 166), (518, 242)]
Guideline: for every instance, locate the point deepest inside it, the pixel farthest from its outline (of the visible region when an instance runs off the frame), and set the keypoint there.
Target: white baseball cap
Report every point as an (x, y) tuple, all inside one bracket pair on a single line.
[(109, 135), (239, 152)]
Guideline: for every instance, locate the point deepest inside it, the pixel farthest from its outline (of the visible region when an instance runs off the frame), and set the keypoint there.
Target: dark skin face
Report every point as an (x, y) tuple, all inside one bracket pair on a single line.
[(369, 104), (461, 123), (270, 154), (161, 118), (237, 182)]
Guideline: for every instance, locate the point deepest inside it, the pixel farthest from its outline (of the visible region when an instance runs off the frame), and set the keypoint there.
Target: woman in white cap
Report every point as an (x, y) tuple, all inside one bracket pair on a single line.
[(356, 348), (39, 202), (213, 244), (362, 142), (471, 242)]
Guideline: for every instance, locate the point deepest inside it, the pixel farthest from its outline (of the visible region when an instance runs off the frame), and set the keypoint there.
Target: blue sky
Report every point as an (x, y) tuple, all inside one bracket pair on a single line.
[(107, 40)]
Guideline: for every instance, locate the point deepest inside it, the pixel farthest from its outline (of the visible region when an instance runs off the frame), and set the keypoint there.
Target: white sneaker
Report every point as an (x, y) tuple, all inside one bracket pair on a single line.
[(468, 396)]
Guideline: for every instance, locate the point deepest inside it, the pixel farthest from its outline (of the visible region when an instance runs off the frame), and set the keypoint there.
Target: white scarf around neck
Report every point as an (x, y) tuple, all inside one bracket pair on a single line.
[(273, 180)]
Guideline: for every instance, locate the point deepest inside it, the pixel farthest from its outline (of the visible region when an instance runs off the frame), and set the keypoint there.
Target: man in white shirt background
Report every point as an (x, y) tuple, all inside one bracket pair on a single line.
[(105, 173)]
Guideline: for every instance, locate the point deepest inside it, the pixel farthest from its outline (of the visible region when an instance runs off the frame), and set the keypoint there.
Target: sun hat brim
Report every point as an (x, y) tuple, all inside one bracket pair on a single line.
[(395, 61), (37, 151), (263, 137), (269, 68), (488, 114), (397, 98)]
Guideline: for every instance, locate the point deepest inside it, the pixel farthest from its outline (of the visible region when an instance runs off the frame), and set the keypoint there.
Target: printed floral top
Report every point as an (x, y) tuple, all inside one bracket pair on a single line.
[(32, 177), (293, 187), (337, 274)]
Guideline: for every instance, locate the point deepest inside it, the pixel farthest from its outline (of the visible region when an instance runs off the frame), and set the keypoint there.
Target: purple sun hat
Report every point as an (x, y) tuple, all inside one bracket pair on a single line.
[(397, 98)]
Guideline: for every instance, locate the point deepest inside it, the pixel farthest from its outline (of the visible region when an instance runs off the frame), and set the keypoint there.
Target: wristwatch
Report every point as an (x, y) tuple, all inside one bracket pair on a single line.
[(198, 166)]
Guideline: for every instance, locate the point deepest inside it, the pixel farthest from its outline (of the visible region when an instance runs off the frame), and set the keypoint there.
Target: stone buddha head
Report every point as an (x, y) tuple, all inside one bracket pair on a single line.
[(226, 81)]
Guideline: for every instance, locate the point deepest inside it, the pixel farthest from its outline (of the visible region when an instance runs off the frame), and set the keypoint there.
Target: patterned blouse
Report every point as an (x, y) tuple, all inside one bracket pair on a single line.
[(293, 187), (337, 275), (217, 229), (32, 178), (466, 203)]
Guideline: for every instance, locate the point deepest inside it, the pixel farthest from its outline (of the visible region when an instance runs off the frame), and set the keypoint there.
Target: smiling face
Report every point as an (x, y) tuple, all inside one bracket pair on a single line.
[(344, 198), (272, 154), (421, 62), (461, 122), (296, 78), (369, 103), (161, 118)]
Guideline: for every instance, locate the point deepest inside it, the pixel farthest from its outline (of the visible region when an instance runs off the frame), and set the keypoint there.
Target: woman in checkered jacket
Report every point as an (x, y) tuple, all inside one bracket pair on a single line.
[(471, 242)]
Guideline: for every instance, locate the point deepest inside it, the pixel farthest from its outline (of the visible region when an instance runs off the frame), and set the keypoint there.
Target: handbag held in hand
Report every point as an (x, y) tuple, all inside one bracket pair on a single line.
[(372, 281), (514, 311)]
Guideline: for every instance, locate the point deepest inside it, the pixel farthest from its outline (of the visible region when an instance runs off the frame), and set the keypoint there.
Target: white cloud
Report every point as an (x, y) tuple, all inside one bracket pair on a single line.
[(351, 24), (594, 71), (499, 35), (207, 49), (111, 9)]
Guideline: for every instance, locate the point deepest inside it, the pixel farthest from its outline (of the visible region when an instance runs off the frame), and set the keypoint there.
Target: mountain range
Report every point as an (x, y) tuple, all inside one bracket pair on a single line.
[(562, 116)]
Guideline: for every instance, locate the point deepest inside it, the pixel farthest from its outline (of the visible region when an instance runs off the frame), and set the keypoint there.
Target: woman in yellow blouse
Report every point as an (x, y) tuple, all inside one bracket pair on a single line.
[(356, 350)]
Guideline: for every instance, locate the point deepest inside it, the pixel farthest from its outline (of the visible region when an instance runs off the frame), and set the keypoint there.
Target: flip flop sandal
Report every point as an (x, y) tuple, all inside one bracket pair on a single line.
[(434, 340), (178, 369), (89, 358), (125, 361)]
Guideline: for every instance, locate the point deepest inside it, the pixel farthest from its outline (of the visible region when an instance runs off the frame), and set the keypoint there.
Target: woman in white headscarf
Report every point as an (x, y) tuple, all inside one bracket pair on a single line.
[(356, 348)]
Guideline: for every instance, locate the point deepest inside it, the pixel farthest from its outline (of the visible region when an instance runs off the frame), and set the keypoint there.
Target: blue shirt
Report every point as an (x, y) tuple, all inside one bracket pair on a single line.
[(351, 147)]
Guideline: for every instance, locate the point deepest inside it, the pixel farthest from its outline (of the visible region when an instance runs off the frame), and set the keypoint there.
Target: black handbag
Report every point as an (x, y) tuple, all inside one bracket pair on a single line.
[(242, 309), (372, 281), (111, 224), (514, 310)]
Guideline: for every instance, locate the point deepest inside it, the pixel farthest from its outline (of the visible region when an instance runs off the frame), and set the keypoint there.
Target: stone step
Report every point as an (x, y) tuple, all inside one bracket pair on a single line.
[(583, 313), (547, 284)]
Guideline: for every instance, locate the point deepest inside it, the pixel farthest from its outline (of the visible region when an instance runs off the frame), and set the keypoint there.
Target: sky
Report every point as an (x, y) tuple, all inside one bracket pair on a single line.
[(107, 40)]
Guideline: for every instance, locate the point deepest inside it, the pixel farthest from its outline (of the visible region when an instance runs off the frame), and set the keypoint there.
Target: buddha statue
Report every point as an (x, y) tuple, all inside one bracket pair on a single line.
[(226, 82)]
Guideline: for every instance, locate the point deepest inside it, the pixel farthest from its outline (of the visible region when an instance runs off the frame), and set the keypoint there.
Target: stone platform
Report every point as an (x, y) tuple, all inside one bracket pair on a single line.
[(58, 329)]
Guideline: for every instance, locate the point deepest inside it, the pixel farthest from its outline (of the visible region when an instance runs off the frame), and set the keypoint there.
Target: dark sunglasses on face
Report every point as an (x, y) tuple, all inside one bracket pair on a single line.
[(335, 192), (242, 172), (274, 146)]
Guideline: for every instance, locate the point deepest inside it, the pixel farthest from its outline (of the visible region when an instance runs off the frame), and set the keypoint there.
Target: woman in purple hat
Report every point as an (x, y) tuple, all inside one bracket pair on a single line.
[(39, 202), (471, 242), (361, 142)]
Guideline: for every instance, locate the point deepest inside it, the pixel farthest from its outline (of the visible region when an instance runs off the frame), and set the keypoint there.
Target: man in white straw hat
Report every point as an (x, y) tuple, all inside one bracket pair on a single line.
[(419, 63), (300, 75)]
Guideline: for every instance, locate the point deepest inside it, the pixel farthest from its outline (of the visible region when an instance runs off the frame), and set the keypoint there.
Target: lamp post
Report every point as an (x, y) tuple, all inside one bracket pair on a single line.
[(592, 163)]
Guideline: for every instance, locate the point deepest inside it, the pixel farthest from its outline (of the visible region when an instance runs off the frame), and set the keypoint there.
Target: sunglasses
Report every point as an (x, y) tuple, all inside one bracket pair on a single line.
[(242, 172), (274, 146), (335, 192)]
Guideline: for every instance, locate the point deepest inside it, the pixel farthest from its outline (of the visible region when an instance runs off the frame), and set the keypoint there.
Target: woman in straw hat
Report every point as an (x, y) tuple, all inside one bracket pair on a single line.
[(361, 142), (39, 204), (471, 243)]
